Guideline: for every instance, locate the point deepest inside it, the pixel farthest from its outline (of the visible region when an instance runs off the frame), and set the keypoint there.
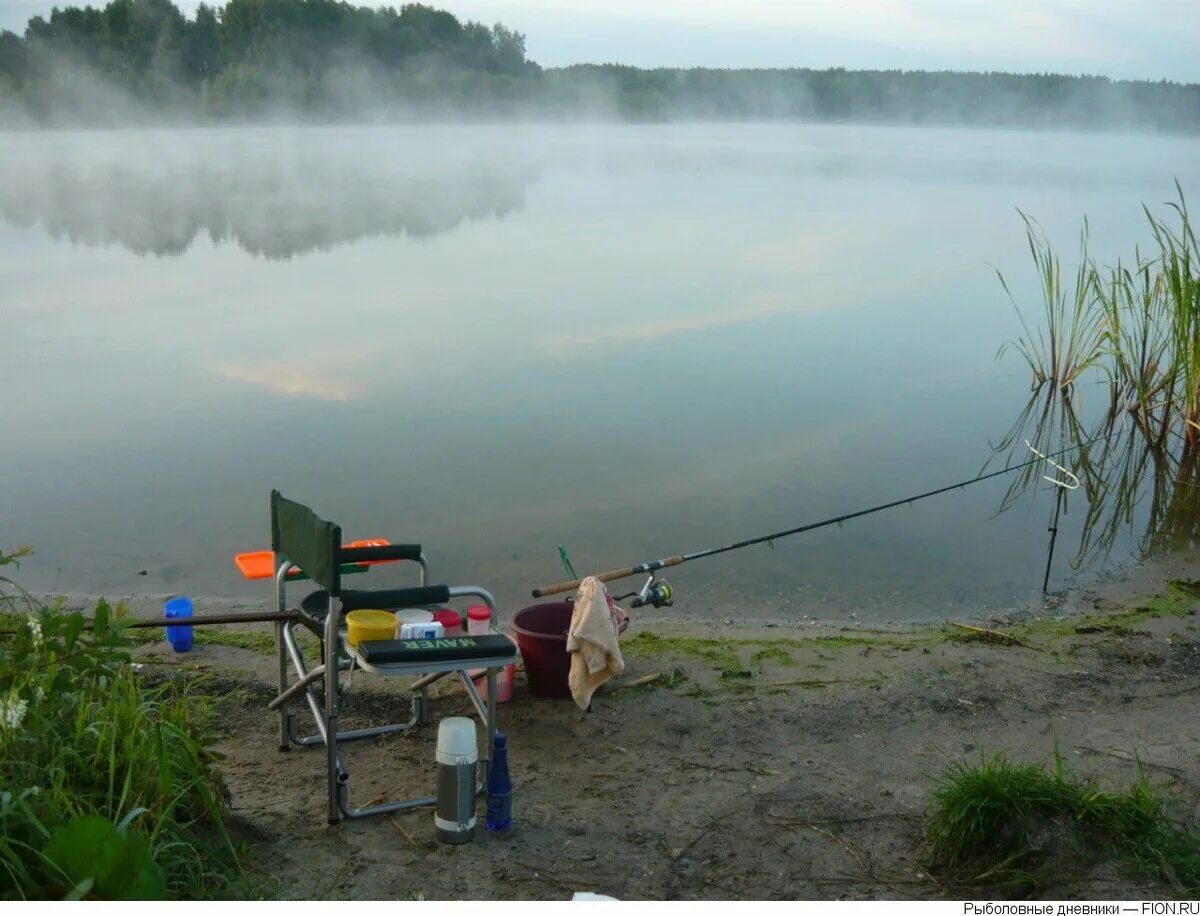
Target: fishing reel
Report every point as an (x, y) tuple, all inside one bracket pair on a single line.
[(656, 592)]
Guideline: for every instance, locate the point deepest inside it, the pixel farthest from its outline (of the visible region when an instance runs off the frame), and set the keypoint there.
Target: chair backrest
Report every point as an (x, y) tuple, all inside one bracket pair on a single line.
[(307, 540)]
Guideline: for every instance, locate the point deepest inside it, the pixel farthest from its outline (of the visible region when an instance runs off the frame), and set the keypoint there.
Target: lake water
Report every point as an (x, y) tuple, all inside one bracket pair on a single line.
[(631, 340)]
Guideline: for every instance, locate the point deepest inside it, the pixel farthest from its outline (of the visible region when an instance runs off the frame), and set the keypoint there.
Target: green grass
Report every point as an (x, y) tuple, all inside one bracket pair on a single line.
[(989, 822), (720, 654), (739, 663), (733, 656), (253, 641), (773, 653), (1178, 599), (107, 788)]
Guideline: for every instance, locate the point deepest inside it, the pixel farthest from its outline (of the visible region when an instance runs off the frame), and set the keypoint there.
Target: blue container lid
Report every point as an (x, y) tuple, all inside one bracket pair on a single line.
[(179, 606)]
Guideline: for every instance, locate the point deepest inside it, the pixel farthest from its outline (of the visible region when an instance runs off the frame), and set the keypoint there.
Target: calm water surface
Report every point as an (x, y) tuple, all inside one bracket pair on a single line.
[(633, 341)]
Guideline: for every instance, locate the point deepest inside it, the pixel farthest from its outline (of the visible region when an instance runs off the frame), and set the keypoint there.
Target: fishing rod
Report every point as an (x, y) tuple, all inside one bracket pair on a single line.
[(650, 595)]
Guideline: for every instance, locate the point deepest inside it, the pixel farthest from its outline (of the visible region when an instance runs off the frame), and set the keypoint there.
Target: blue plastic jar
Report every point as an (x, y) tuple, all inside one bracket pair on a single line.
[(180, 638)]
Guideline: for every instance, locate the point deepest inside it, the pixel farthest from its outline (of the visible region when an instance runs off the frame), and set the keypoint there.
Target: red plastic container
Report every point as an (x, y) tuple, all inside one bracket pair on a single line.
[(449, 619), (542, 637)]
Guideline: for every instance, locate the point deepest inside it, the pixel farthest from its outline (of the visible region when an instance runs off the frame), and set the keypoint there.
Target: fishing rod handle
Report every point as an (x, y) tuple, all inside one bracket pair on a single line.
[(206, 620), (623, 573)]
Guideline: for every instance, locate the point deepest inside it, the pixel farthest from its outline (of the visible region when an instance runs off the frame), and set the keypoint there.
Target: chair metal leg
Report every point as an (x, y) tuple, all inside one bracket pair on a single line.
[(281, 653), (279, 579), (331, 709), (310, 695), (491, 721), (422, 701), (305, 687)]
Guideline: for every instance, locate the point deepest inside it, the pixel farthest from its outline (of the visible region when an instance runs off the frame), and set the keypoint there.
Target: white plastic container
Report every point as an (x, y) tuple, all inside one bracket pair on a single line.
[(411, 615), (479, 620)]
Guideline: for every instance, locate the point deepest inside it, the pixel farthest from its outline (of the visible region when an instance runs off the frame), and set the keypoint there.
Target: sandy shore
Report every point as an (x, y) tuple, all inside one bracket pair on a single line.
[(768, 759)]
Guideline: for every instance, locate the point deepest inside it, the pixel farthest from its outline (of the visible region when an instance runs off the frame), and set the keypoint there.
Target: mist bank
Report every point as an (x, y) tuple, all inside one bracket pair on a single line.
[(145, 62)]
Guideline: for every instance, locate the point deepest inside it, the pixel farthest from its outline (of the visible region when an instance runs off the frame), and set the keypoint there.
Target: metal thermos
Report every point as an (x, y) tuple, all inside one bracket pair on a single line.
[(457, 757)]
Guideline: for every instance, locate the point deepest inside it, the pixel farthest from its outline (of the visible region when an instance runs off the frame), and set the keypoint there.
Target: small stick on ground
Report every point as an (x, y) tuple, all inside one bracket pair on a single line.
[(858, 857), (544, 874), (700, 766), (408, 836), (1125, 755), (985, 635), (676, 854), (1169, 693), (858, 880), (639, 682), (792, 822)]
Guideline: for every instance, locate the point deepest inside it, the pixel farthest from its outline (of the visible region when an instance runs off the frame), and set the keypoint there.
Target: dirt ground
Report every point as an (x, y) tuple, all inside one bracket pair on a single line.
[(767, 760)]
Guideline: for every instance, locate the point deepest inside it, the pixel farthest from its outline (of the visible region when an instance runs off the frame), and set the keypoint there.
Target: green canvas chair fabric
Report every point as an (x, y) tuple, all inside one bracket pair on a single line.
[(307, 540)]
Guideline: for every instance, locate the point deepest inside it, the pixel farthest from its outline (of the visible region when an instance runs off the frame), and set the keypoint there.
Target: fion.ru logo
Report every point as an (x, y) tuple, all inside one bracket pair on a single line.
[(1155, 908)]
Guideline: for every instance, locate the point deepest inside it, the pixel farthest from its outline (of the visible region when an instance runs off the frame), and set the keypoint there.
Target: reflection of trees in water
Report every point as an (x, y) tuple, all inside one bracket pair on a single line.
[(1131, 480), (270, 204)]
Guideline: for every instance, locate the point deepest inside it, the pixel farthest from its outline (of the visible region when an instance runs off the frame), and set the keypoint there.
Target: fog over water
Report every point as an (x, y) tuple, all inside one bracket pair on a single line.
[(631, 340)]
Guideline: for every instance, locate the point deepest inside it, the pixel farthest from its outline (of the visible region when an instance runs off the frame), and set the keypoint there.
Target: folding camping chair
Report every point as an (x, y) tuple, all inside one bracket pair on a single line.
[(300, 537)]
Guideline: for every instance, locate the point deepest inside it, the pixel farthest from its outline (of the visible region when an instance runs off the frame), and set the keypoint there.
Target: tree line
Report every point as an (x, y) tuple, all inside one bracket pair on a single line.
[(248, 55), (329, 59)]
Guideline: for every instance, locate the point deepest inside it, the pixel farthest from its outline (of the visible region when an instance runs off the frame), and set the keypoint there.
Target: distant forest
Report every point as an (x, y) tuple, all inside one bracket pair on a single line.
[(146, 61)]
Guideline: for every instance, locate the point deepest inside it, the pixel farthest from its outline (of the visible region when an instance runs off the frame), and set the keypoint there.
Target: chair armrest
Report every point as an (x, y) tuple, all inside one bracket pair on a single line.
[(389, 598), (376, 554)]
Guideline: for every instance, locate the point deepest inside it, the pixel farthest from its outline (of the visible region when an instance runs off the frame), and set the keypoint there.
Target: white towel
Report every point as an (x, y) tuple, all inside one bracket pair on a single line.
[(592, 641)]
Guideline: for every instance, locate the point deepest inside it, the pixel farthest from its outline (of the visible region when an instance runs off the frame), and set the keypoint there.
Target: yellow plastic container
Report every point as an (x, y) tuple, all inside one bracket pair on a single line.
[(364, 626)]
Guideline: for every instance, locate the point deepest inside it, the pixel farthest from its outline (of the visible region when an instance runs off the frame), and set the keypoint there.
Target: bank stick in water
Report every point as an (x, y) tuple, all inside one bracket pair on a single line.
[(655, 565)]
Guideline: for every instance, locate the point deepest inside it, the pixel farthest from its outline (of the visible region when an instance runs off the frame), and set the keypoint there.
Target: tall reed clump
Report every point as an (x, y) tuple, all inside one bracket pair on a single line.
[(1138, 324), (1179, 279), (1067, 343), (106, 789)]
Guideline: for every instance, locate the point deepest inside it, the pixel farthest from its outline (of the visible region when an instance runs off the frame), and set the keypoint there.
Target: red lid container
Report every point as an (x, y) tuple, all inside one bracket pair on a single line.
[(479, 612), (451, 620)]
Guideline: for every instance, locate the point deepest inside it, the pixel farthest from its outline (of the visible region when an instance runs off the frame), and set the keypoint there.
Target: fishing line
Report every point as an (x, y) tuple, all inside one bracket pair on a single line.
[(653, 565)]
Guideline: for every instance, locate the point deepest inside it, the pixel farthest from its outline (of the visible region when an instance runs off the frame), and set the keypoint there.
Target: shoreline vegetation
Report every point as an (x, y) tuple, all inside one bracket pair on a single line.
[(108, 786), (139, 62)]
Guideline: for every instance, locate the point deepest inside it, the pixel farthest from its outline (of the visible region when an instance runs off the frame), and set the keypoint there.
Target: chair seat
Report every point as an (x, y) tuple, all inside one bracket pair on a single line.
[(315, 604)]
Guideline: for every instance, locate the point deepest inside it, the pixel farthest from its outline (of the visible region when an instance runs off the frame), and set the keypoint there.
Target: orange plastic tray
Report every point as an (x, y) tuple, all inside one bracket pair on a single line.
[(260, 564)]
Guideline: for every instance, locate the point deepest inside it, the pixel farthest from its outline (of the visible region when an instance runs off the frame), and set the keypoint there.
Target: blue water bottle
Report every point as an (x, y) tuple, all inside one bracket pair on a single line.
[(180, 638), (499, 788)]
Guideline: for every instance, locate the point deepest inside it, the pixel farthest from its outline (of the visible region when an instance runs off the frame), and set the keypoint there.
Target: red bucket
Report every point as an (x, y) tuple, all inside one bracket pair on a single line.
[(542, 636)]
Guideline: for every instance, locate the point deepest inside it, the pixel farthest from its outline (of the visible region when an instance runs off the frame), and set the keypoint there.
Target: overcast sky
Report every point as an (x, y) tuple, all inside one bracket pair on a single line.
[(1144, 39)]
